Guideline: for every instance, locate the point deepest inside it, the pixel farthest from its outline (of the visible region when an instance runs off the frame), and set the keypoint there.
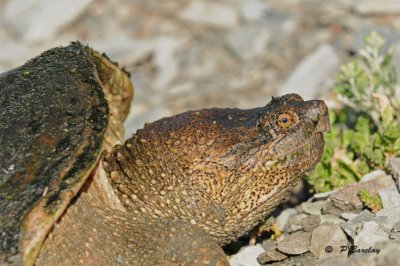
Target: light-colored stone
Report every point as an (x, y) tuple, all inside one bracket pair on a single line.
[(373, 175), (252, 10), (247, 256), (271, 256), (249, 41), (283, 218), (210, 13), (377, 7), (327, 240), (312, 76), (322, 195), (370, 235), (41, 19), (348, 215), (392, 216), (385, 253), (347, 199), (394, 163), (296, 243), (390, 197), (312, 208)]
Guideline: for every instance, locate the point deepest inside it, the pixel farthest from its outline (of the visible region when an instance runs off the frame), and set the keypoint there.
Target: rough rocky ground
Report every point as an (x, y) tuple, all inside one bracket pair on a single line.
[(334, 228), (229, 53)]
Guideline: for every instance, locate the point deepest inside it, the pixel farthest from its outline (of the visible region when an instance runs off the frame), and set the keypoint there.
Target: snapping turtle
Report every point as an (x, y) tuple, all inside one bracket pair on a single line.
[(73, 192)]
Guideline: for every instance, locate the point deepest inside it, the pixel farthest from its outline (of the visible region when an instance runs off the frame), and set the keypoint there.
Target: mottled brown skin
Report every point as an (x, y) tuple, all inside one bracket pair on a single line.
[(210, 175)]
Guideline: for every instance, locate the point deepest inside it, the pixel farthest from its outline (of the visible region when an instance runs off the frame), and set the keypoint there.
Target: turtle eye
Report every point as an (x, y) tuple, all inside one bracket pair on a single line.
[(285, 120)]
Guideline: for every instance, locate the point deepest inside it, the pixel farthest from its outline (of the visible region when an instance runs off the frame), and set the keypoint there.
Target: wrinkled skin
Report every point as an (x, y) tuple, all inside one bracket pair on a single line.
[(184, 184)]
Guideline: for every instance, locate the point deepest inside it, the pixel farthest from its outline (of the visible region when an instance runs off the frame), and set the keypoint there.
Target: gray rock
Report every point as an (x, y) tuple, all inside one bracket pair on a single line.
[(370, 234), (396, 227), (300, 260), (253, 10), (327, 240), (351, 229), (247, 256), (312, 208), (312, 76), (347, 199), (332, 261), (249, 41), (41, 19), (165, 60), (322, 195), (296, 243), (364, 216), (283, 218), (385, 253), (373, 7), (394, 166), (348, 215), (330, 208), (373, 175), (210, 13), (310, 222), (392, 217), (331, 218), (271, 256), (269, 244), (296, 222), (354, 225), (390, 197)]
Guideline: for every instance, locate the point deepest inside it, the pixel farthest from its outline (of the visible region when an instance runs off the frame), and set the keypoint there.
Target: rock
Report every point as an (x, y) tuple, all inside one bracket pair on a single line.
[(41, 19), (364, 216), (312, 208), (124, 49), (312, 76), (303, 259), (165, 60), (373, 175), (327, 240), (247, 256), (296, 243), (296, 222), (395, 232), (347, 199), (249, 41), (322, 195), (283, 218), (271, 256), (385, 253), (330, 208), (354, 225), (392, 217), (310, 222), (390, 197), (269, 244), (252, 10), (370, 234), (348, 215), (394, 166), (331, 219), (210, 13), (367, 7)]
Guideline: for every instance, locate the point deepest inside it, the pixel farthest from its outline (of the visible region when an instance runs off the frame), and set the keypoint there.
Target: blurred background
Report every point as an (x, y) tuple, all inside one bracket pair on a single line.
[(195, 54)]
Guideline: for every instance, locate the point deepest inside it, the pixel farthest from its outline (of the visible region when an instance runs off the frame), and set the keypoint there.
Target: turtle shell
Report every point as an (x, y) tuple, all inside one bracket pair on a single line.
[(53, 118)]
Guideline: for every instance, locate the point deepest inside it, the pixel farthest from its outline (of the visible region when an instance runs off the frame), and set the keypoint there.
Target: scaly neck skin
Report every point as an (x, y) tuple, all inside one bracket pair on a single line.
[(214, 168)]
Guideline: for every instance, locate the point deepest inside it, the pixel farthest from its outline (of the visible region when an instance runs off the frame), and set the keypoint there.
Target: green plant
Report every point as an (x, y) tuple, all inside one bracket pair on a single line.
[(372, 202), (365, 131)]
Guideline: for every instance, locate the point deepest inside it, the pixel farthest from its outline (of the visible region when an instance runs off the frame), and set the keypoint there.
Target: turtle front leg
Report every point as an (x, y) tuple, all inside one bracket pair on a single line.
[(96, 235)]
